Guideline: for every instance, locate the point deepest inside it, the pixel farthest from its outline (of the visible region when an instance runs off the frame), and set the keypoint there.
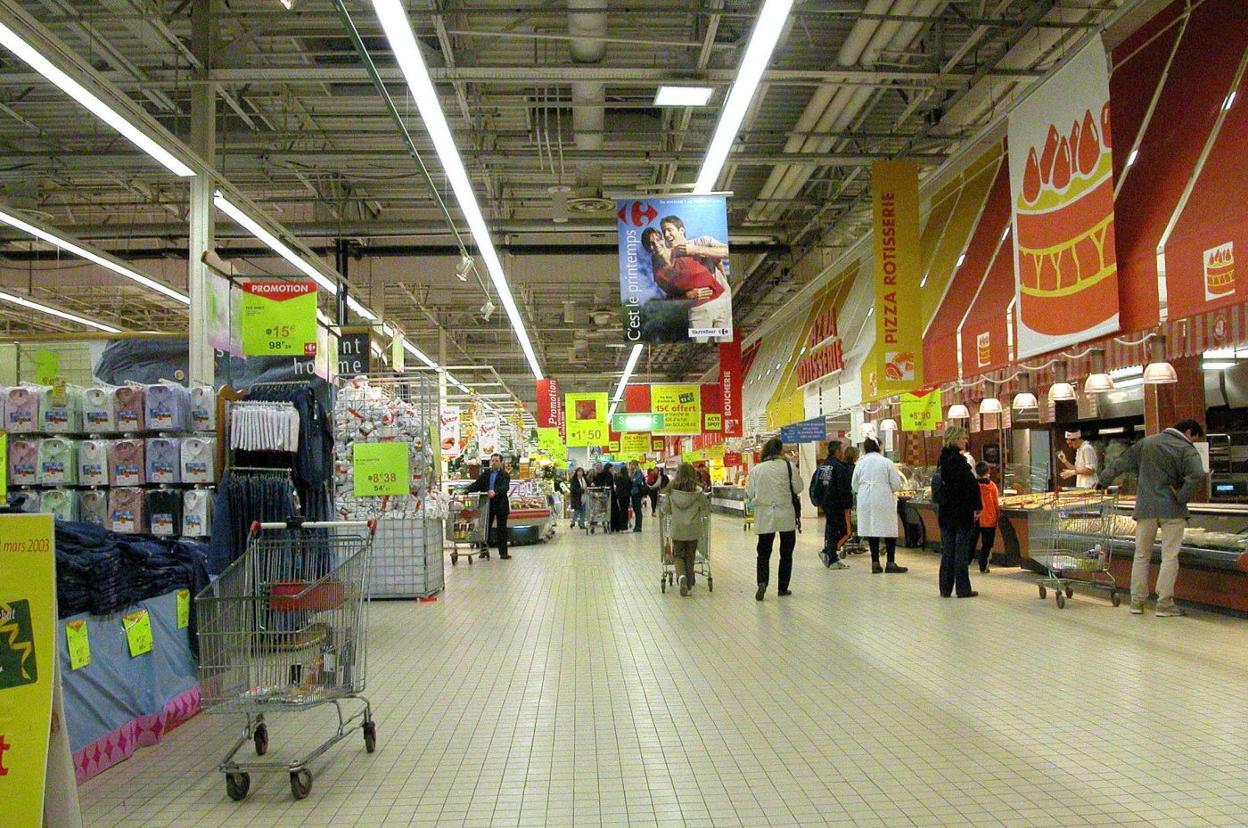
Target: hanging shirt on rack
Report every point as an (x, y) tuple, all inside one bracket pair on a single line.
[(264, 426), (164, 460)]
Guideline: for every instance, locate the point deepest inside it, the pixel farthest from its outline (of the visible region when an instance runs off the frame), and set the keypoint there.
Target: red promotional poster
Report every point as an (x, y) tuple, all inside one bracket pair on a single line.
[(712, 400), (549, 404), (731, 383)]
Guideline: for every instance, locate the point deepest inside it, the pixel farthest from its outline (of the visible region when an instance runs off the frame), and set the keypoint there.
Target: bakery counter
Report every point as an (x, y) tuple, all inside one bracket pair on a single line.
[(1009, 548)]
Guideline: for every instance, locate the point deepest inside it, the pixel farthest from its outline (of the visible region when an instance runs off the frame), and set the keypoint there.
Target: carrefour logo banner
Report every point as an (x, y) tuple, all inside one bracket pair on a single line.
[(673, 261)]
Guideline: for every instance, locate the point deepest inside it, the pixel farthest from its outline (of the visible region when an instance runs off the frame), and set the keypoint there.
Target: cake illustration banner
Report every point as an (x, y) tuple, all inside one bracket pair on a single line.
[(1062, 191), (898, 313), (673, 255)]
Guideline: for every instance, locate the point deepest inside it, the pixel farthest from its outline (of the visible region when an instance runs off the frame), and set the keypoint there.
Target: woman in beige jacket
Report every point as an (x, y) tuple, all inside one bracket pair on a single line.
[(772, 486)]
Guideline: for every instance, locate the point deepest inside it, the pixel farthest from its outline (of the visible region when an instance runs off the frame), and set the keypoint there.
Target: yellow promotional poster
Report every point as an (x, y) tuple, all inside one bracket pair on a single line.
[(138, 627), (279, 318), (27, 663), (549, 441), (898, 351), (695, 456), (716, 452), (921, 410), (681, 406), (78, 644), (47, 367), (718, 475), (184, 608), (381, 469), (587, 419), (634, 446)]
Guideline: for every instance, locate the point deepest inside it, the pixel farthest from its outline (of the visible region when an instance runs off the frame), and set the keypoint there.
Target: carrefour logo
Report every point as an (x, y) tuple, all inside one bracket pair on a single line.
[(637, 213)]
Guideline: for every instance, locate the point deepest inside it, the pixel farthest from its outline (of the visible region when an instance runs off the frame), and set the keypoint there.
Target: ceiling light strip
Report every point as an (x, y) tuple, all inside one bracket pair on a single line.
[(51, 311), (771, 22), (253, 227), (19, 46), (394, 22), (98, 257)]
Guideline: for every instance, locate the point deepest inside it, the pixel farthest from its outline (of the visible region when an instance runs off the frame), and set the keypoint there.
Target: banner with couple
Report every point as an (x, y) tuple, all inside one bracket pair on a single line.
[(674, 269)]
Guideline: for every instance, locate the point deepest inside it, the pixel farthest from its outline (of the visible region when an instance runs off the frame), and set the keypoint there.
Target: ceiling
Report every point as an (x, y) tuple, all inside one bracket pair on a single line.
[(552, 111)]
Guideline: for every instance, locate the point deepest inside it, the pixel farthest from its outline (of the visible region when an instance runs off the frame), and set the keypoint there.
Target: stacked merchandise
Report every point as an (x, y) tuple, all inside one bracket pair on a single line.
[(408, 544), (112, 456)]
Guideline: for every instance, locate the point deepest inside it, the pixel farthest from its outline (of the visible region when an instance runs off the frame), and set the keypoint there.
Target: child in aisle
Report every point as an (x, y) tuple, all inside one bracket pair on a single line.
[(688, 508), (990, 514)]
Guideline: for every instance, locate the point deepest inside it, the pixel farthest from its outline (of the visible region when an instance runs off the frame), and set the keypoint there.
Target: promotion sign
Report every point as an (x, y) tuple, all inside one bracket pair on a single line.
[(587, 419), (279, 318), (550, 413), (487, 435), (921, 410), (634, 446), (27, 664), (898, 315), (1062, 191), (732, 381), (550, 441), (681, 407), (448, 425), (381, 469), (673, 259)]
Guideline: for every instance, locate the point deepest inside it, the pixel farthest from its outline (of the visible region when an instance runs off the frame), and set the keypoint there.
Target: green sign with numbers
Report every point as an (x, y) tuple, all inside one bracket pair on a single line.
[(279, 318), (381, 469)]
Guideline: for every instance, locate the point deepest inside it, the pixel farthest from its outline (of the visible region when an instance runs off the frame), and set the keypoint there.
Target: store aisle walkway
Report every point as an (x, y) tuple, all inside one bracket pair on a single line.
[(562, 688)]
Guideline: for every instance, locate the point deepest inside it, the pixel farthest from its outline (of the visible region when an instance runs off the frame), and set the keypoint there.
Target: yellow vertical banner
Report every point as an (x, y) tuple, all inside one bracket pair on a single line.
[(587, 419), (27, 663), (898, 311)]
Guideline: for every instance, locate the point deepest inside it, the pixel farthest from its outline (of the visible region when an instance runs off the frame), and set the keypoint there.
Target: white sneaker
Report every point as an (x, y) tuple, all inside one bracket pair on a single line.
[(1169, 609), (1137, 607)]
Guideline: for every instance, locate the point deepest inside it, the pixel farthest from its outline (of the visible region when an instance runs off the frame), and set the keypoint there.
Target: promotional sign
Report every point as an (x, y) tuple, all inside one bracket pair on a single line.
[(184, 609), (658, 444), (550, 412), (353, 353), (138, 627), (279, 318), (487, 435), (1062, 191), (638, 422), (921, 410), (448, 427), (681, 407), (381, 469), (4, 465), (807, 431), (47, 367), (713, 422), (898, 315), (733, 458), (27, 663), (78, 643), (732, 381), (549, 441), (673, 260), (634, 446), (587, 419)]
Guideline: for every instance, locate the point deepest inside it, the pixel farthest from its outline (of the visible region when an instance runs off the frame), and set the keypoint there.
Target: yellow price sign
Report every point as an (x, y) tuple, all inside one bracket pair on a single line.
[(921, 410), (279, 318), (184, 608), (714, 422), (138, 627), (47, 367), (613, 446), (681, 406), (381, 469), (78, 643), (634, 446), (587, 419)]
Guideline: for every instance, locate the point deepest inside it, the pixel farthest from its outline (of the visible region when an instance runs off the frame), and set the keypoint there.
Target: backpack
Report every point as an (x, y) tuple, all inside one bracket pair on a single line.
[(819, 484)]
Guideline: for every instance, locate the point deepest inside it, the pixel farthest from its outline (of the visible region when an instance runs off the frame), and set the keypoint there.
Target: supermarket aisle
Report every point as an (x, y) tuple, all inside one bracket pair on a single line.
[(561, 688)]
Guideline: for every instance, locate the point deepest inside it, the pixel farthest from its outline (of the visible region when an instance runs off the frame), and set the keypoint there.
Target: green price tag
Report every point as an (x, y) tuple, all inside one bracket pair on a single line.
[(47, 367), (138, 627), (184, 609), (279, 318), (78, 643), (381, 469)]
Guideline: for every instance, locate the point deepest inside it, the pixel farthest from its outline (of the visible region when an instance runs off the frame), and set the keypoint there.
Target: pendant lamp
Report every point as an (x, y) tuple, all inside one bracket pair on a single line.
[(1159, 372), (1098, 382), (887, 424), (958, 411), (990, 405)]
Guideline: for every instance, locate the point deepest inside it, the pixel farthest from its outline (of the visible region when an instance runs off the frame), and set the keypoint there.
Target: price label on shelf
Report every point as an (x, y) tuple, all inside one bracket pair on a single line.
[(381, 469), (138, 627), (78, 643), (279, 318)]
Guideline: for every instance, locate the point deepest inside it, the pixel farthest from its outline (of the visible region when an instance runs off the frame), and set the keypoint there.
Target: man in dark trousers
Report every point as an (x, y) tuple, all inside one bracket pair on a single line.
[(496, 483), (831, 489)]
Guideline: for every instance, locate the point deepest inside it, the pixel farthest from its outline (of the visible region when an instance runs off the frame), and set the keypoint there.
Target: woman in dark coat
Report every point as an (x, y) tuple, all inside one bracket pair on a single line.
[(578, 486), (958, 508), (621, 495)]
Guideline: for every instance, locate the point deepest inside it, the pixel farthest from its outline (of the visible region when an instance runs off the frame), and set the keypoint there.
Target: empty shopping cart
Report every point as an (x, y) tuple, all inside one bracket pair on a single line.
[(1078, 545)]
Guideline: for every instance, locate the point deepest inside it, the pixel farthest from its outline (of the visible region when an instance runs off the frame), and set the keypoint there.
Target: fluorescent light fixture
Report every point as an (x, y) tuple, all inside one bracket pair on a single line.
[(1229, 102), (990, 405), (683, 95), (252, 226), (923, 281), (51, 311), (1217, 366), (419, 354), (961, 261), (354, 305), (1135, 153), (393, 18), (771, 20), (628, 372), (18, 46), (64, 243), (1062, 392), (958, 411)]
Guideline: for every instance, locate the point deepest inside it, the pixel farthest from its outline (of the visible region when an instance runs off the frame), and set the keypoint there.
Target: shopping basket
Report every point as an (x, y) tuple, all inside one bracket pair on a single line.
[(283, 630)]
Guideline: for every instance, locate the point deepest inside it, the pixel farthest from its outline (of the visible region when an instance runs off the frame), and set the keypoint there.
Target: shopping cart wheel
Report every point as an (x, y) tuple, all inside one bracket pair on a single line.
[(261, 738), (1070, 592), (301, 783), (370, 736), (1043, 592), (1061, 599), (237, 785), (454, 558), (1115, 598)]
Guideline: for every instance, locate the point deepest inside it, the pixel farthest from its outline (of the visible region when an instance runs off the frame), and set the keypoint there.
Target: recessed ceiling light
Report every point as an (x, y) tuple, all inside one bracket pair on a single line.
[(683, 95)]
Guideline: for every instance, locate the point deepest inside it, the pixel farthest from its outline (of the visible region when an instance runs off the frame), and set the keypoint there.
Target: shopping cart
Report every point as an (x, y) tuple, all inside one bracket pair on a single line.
[(283, 630), (1080, 535), (597, 509), (749, 515), (701, 558), (466, 526)]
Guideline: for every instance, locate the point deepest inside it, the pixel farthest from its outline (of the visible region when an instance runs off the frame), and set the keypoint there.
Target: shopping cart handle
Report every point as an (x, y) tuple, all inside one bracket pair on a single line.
[(300, 523)]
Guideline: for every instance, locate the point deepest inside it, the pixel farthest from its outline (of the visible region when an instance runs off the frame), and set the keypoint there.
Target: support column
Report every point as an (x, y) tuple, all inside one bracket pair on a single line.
[(203, 310), (1165, 405), (442, 392)]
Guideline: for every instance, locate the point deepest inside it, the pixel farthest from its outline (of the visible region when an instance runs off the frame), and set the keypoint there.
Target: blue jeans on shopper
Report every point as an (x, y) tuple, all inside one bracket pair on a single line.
[(956, 545)]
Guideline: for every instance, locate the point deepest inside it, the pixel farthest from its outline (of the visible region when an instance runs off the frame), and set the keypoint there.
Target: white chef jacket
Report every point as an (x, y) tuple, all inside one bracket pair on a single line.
[(1085, 457)]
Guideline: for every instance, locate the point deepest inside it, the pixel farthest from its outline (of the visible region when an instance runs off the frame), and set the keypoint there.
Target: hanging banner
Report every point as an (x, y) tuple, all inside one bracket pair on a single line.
[(898, 313), (549, 441), (813, 430), (732, 381), (673, 259), (27, 664), (634, 446), (587, 419), (1062, 191), (550, 405), (921, 410), (279, 318), (487, 435), (681, 407), (398, 353), (448, 424), (354, 354)]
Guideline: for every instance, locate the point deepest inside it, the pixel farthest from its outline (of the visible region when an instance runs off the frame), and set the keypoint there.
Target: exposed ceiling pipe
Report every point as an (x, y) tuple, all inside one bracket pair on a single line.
[(587, 23)]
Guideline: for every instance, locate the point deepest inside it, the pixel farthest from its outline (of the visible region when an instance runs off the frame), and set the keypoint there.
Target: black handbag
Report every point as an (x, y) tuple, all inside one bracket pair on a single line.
[(797, 501)]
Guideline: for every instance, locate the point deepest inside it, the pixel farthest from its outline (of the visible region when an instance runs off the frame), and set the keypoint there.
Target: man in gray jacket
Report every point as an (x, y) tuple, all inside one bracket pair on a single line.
[(1170, 475)]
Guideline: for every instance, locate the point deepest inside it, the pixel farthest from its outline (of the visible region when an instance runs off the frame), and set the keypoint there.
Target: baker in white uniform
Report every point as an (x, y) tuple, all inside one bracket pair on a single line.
[(1083, 470)]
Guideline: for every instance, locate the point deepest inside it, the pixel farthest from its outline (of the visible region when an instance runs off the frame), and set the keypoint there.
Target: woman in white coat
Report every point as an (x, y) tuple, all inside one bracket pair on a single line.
[(875, 482), (773, 485)]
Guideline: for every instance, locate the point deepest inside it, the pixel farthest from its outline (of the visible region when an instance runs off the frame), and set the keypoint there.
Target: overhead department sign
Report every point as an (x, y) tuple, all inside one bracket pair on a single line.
[(898, 316)]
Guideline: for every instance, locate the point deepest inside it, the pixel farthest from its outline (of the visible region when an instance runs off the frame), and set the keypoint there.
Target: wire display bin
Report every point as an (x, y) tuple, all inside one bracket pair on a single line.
[(1076, 545), (466, 526), (701, 558), (284, 630), (597, 509)]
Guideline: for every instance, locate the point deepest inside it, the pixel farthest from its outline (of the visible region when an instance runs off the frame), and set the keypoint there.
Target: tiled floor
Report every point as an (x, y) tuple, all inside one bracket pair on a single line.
[(562, 688)]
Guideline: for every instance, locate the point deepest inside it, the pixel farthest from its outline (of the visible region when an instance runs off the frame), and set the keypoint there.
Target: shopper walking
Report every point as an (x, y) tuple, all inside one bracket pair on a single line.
[(497, 484), (831, 490), (621, 496), (1170, 474), (638, 492), (603, 477), (653, 489), (775, 487), (876, 481), (688, 508), (956, 494), (989, 515), (578, 486)]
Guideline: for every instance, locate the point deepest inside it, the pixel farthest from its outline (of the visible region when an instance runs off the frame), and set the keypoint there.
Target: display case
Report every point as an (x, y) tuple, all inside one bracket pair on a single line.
[(728, 499)]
